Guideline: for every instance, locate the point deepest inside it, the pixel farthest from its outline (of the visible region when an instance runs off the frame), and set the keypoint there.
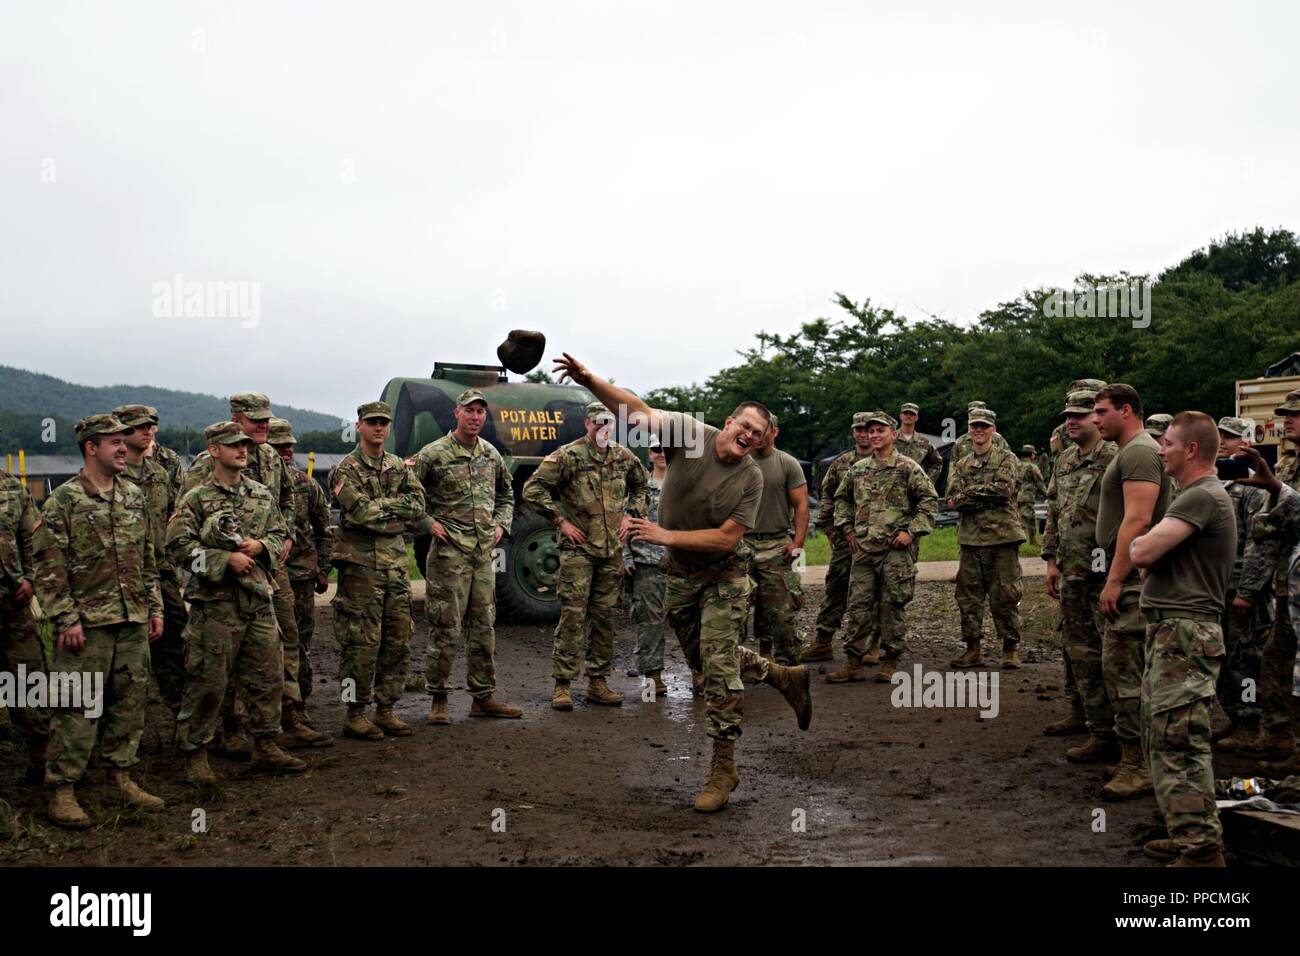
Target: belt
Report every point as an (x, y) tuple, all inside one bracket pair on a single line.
[(1154, 614), (766, 535)]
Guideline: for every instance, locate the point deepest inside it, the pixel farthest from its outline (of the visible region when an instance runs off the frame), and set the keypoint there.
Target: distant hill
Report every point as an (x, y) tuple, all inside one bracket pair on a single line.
[(45, 395)]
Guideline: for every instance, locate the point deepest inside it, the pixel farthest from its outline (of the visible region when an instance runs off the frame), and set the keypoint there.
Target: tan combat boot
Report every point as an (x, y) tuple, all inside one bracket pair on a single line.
[(598, 692), (296, 731), (1069, 725), (1095, 750), (795, 685), (888, 668), (197, 771), (851, 672), (270, 758), (489, 706), (1201, 856), (37, 744), (970, 659), (562, 697), (358, 725), (133, 795), (872, 656), (697, 683), (819, 650), (1164, 850), (1274, 743), (65, 811), (235, 744), (661, 689), (439, 715), (1132, 778), (390, 723), (1010, 658), (722, 778), (1241, 735)]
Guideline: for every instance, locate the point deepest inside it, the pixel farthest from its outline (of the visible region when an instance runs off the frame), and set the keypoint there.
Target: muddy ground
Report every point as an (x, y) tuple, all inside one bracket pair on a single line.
[(873, 784)]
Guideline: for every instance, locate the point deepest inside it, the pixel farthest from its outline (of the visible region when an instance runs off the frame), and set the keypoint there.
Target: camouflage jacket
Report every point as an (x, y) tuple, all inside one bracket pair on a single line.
[(265, 466), (592, 490), (466, 490), (379, 500), (1252, 571), (1275, 533), (1073, 496), (94, 556), (636, 551), (171, 463), (831, 486), (195, 541), (160, 501), (313, 537), (983, 489), (18, 517), (877, 499), (963, 447), (1031, 483), (919, 449)]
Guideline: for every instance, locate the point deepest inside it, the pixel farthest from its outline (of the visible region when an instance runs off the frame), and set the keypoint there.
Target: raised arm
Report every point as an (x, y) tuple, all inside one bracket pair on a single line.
[(639, 414)]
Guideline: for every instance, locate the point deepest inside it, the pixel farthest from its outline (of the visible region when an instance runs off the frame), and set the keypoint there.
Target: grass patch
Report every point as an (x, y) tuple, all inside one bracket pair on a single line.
[(939, 545)]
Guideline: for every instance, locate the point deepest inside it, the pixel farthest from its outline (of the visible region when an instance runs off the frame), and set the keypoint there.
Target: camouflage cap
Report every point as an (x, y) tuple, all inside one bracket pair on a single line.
[(1028, 450), (975, 404), (880, 418), (1087, 384), (1290, 405), (93, 425), (1237, 427), (252, 405), (860, 419), (910, 407), (471, 395), (982, 414), (1079, 402), (281, 432), (225, 433), (136, 415), (1158, 424), (598, 412), (374, 410)]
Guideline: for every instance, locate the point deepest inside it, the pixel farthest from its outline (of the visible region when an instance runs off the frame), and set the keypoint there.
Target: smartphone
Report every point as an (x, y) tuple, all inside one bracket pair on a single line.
[(1230, 469)]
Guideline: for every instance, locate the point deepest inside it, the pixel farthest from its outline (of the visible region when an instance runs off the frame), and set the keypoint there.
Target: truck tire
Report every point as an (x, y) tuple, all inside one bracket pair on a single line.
[(526, 589)]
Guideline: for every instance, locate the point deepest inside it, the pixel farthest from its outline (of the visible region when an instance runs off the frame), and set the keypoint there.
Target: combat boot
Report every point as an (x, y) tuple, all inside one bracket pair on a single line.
[(819, 650), (851, 672), (1069, 725), (489, 706), (269, 757), (562, 697), (1095, 750), (1164, 850), (872, 656), (722, 778), (970, 659), (304, 716), (133, 795), (1010, 658), (65, 811), (1275, 743), (598, 692), (697, 683), (1281, 769), (235, 744), (795, 685), (661, 689), (888, 668), (438, 712), (296, 731), (1132, 778), (1238, 735), (359, 726), (390, 723), (37, 744), (197, 770), (1201, 856)]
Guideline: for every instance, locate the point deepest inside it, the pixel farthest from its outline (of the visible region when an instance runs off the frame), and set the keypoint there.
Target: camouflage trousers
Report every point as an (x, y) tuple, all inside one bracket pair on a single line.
[(589, 590), (229, 650), (460, 604), (1082, 630), (648, 616), (21, 645), (286, 616), (1182, 664), (835, 600), (1123, 658), (120, 653), (1277, 670), (1238, 686), (167, 654), (1030, 522), (777, 597), (304, 615), (989, 573), (708, 613), (372, 623), (881, 585)]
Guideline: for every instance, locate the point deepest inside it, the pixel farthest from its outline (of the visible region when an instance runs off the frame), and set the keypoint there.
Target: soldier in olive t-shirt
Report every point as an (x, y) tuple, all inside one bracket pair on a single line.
[(1135, 461), (777, 594), (1193, 577)]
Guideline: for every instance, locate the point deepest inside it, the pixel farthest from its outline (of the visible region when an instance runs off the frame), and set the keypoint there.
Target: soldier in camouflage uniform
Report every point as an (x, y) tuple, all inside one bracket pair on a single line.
[(252, 412), (228, 530), (97, 581), (379, 500), (589, 488), (962, 446), (1031, 486), (1156, 426), (883, 506), (469, 496), (162, 455), (982, 488), (1059, 442), (641, 563), (20, 640), (161, 490), (916, 446), (313, 542), (835, 599), (1074, 576)]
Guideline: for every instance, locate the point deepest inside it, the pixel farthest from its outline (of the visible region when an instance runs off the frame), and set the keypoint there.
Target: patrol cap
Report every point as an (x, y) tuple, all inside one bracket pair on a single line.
[(879, 418), (1237, 427), (910, 407), (1028, 450), (470, 395), (1087, 384), (374, 410), (860, 419), (93, 425), (1079, 402), (1290, 405), (225, 433), (1158, 424), (982, 414), (281, 432), (598, 412), (133, 416), (252, 405), (975, 404)]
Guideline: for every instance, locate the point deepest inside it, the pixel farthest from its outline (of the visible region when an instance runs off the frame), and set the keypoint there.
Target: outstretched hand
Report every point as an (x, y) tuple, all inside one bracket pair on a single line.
[(1263, 476), (570, 368)]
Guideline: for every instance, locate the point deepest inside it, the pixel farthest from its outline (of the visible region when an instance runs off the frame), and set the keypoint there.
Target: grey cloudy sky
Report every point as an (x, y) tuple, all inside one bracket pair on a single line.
[(647, 183)]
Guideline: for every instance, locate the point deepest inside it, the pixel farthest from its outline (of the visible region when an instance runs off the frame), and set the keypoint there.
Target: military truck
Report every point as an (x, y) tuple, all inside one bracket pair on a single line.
[(526, 421), (1257, 397)]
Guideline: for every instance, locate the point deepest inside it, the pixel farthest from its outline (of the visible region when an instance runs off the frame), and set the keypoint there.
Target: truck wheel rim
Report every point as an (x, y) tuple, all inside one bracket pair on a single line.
[(537, 561)]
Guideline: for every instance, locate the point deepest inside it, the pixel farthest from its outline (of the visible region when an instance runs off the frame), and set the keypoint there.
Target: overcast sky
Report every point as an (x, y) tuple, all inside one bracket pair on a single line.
[(647, 183)]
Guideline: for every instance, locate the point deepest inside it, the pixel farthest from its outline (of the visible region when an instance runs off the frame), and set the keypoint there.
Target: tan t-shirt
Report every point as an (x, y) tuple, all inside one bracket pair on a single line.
[(700, 490), (1194, 576), (1135, 461), (781, 473)]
